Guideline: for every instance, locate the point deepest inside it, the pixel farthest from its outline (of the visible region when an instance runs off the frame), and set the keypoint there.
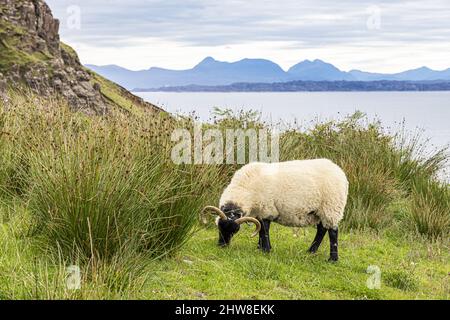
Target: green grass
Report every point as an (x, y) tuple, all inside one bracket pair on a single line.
[(112, 93), (69, 50), (98, 187), (382, 169), (201, 270), (101, 192), (430, 203), (27, 271)]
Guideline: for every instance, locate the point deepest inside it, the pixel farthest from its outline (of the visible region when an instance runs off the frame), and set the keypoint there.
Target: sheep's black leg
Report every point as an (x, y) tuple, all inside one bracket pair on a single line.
[(333, 233), (321, 231), (264, 239)]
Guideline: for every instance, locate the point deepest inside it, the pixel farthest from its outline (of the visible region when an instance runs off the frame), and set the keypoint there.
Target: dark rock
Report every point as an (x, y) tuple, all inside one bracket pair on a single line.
[(57, 84), (82, 76)]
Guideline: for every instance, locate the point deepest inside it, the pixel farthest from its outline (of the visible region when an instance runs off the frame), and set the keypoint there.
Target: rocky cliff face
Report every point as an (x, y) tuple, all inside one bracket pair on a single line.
[(32, 55)]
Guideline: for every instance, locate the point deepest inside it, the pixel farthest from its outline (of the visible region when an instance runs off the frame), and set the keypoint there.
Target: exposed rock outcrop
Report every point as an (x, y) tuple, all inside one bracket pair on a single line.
[(32, 55)]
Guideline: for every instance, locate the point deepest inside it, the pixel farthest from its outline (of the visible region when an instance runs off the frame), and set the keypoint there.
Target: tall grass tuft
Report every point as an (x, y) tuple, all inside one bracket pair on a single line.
[(364, 153), (381, 168), (430, 208), (98, 187)]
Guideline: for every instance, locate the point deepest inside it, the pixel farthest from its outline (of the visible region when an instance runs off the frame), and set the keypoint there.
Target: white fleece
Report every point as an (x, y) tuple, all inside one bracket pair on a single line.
[(293, 193)]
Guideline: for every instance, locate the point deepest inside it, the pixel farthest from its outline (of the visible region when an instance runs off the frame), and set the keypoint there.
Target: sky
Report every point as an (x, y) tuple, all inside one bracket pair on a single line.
[(377, 36)]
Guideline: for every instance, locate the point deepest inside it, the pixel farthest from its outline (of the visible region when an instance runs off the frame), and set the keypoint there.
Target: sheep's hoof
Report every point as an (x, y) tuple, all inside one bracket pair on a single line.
[(312, 250), (333, 259), (264, 250)]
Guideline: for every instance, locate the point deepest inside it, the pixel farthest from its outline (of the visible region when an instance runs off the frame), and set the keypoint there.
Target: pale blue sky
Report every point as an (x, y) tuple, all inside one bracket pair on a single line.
[(383, 36)]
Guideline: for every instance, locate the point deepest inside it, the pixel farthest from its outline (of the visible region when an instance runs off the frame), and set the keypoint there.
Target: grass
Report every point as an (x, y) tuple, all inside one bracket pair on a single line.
[(98, 187), (201, 270), (429, 207), (102, 193), (382, 169), (28, 272), (113, 94)]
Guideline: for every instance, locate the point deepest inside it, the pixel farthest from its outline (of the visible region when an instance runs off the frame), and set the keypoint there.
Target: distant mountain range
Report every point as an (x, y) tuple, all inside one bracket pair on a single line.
[(210, 72)]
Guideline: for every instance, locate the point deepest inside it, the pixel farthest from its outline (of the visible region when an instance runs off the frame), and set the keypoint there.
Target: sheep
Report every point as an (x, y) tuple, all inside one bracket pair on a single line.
[(295, 193)]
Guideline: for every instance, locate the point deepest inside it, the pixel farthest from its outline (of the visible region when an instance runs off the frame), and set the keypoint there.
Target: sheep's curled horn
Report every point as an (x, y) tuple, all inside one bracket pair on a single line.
[(222, 216)]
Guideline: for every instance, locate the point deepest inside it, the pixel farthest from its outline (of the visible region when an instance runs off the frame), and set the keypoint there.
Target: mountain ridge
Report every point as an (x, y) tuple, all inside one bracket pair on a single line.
[(211, 72)]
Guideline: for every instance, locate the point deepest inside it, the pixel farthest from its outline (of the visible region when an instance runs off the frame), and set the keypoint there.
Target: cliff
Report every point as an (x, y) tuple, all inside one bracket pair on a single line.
[(32, 56)]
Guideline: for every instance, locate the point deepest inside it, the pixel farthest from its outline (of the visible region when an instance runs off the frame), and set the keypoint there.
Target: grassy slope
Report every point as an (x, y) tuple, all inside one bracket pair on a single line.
[(120, 97), (203, 271), (114, 94)]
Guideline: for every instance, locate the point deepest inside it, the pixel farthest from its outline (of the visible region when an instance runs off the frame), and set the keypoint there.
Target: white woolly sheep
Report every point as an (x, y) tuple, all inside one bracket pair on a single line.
[(294, 193)]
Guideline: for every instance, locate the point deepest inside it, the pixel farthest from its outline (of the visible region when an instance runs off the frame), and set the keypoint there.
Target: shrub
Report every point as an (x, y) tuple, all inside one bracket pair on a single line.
[(381, 168), (365, 155)]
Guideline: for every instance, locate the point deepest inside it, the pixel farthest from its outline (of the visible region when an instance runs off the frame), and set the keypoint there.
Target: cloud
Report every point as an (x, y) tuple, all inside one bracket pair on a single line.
[(303, 25)]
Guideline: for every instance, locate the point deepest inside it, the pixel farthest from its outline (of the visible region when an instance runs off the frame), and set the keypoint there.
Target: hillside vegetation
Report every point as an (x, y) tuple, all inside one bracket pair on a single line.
[(102, 193)]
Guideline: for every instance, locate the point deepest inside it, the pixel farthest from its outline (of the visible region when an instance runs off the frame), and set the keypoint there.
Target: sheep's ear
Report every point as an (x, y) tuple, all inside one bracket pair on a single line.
[(217, 221)]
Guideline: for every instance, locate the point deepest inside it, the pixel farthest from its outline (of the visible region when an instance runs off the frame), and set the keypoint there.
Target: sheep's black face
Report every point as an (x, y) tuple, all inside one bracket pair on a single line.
[(227, 228), (231, 210)]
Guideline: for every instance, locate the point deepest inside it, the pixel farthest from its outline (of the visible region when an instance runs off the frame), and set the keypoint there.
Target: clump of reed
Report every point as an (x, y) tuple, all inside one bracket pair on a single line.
[(382, 169), (98, 186)]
